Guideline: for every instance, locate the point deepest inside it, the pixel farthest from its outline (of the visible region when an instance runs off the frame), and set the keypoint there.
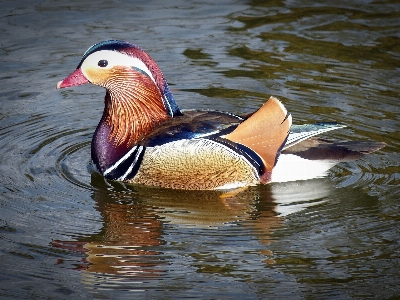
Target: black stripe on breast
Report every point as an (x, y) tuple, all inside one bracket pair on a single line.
[(127, 167), (253, 158), (136, 165)]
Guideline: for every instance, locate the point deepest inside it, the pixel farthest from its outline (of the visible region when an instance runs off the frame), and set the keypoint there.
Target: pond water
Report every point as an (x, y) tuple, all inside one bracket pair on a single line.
[(65, 232)]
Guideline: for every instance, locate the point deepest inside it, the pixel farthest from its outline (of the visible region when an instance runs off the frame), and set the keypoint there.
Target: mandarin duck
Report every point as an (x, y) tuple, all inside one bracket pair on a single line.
[(144, 138)]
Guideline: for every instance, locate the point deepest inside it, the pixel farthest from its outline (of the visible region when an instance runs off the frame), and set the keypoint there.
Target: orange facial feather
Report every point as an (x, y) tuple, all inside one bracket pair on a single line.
[(134, 106)]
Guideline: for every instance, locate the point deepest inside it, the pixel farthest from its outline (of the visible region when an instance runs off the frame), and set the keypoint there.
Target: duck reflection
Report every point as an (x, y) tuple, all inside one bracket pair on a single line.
[(127, 241), (132, 240)]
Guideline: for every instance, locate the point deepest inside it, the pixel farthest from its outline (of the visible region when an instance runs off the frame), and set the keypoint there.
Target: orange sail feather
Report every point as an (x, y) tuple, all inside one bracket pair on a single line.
[(265, 131)]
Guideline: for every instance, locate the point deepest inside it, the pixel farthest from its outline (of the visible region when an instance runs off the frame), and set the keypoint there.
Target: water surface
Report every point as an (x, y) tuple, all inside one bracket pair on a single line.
[(65, 232)]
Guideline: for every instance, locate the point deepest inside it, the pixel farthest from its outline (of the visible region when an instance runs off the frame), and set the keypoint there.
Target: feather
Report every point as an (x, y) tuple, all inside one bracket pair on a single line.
[(334, 151), (132, 110), (299, 133), (265, 131)]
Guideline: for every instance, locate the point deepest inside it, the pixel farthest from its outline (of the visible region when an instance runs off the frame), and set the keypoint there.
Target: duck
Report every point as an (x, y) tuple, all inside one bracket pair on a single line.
[(144, 138)]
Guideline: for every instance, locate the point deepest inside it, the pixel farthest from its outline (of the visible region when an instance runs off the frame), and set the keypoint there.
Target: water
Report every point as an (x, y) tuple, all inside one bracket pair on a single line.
[(65, 232)]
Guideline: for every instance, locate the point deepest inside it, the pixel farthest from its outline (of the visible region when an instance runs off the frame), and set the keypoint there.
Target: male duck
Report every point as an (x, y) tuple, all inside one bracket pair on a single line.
[(144, 138)]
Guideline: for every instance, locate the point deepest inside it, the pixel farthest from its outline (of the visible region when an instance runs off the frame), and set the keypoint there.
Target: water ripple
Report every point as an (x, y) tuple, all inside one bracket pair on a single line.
[(66, 232)]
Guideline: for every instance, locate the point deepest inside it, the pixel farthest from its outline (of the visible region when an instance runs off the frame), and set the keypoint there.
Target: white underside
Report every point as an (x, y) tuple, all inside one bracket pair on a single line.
[(232, 185), (292, 168)]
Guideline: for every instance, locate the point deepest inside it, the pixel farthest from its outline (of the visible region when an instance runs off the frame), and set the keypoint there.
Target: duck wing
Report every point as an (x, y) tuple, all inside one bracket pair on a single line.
[(192, 124), (333, 150), (302, 142), (299, 133)]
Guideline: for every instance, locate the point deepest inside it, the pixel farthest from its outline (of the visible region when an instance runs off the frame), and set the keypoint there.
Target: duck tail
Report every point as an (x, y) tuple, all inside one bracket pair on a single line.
[(331, 150)]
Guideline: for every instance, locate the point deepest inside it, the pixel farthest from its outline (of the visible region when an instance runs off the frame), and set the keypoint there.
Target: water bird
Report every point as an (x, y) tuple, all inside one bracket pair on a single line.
[(144, 138)]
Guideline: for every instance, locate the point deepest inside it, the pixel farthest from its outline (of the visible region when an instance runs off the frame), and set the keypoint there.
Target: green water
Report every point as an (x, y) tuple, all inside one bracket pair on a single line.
[(65, 232)]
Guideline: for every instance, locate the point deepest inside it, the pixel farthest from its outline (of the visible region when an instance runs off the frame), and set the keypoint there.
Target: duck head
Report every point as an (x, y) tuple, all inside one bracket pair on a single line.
[(113, 63), (137, 96)]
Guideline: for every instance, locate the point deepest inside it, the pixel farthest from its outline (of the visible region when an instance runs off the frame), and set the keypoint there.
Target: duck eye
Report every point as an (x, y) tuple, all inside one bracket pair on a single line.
[(102, 63)]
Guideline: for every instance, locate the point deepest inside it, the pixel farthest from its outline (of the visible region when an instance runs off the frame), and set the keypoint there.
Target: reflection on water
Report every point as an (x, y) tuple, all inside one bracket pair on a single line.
[(137, 223), (67, 233)]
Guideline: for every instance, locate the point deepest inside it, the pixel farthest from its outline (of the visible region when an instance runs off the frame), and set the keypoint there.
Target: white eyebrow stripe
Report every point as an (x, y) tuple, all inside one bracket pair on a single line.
[(116, 58), (137, 63)]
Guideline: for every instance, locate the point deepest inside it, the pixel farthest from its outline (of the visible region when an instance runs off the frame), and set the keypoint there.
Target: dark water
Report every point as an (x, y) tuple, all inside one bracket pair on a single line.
[(66, 233)]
